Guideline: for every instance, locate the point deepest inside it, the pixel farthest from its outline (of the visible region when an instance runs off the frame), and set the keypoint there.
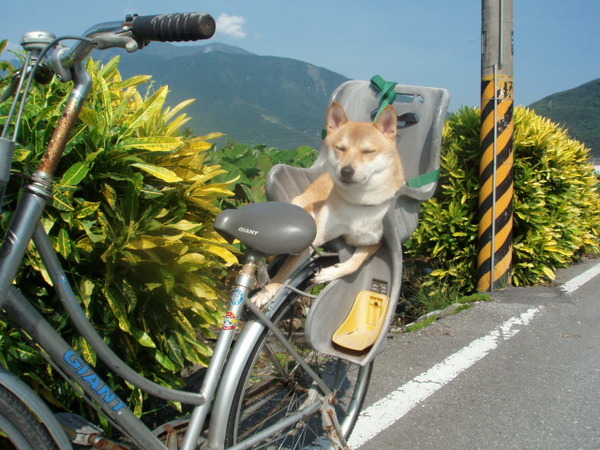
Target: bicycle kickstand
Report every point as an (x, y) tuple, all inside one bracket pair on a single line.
[(331, 424)]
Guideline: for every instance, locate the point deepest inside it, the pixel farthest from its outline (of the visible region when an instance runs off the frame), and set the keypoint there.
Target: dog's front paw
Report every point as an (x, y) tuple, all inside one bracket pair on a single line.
[(327, 274), (261, 298), (265, 295)]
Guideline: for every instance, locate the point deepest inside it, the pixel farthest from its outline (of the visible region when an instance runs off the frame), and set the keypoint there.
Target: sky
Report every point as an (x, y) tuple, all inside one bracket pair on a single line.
[(427, 42)]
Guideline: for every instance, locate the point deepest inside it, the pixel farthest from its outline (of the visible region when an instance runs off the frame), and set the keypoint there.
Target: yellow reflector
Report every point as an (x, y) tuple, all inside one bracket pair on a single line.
[(364, 322)]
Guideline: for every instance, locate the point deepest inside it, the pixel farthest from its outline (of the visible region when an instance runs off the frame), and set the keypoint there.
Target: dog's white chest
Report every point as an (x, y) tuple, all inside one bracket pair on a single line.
[(359, 225)]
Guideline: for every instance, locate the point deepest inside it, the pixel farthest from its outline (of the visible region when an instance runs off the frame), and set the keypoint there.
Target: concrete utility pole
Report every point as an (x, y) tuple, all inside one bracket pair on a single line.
[(496, 166)]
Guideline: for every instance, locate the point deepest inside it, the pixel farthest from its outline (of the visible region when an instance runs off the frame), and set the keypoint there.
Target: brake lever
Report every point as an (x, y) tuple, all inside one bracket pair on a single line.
[(121, 40)]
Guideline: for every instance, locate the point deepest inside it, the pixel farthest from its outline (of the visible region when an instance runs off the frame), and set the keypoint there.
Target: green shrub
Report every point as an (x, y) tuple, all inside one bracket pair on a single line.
[(557, 203), (132, 220), (250, 165), (556, 206)]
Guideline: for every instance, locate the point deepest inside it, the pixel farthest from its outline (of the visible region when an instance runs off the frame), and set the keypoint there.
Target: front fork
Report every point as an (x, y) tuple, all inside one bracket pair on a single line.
[(38, 191)]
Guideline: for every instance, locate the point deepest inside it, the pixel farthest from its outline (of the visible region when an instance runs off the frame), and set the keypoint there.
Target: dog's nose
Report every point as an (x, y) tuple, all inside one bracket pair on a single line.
[(346, 173)]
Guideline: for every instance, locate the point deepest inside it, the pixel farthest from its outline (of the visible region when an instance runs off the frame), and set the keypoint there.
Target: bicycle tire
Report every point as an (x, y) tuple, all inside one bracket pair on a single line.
[(264, 395), (20, 427)]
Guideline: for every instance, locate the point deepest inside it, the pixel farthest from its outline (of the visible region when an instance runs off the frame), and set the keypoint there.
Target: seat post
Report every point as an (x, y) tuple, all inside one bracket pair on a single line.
[(245, 281), (246, 278)]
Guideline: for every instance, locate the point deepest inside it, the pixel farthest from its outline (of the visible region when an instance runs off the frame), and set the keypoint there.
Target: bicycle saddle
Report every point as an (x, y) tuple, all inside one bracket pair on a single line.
[(271, 227)]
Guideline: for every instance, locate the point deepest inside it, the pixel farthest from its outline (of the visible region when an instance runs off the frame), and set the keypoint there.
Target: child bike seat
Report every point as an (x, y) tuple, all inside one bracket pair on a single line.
[(421, 114), (271, 228)]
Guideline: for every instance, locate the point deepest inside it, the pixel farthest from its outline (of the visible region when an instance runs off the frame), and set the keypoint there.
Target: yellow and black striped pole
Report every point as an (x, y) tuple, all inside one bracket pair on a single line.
[(496, 167)]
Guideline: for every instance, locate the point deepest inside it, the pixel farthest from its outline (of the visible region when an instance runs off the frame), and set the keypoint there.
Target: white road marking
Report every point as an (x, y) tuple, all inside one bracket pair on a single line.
[(575, 283), (394, 406)]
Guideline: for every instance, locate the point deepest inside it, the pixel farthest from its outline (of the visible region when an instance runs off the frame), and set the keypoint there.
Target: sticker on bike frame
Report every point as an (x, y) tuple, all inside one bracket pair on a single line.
[(237, 297), (93, 380), (230, 321)]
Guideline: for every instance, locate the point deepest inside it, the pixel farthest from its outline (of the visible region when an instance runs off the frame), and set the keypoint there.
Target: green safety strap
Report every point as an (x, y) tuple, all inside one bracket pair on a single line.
[(422, 180), (388, 95)]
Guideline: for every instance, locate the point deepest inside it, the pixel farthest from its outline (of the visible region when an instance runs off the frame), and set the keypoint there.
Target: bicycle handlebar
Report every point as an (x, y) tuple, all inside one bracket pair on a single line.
[(175, 27), (137, 30)]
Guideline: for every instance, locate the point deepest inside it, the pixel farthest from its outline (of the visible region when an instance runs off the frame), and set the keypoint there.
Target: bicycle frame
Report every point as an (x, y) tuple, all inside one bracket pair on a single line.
[(26, 227)]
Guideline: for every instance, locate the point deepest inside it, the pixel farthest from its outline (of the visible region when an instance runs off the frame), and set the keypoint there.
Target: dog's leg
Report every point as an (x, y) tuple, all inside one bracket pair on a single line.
[(266, 294), (360, 255), (311, 200)]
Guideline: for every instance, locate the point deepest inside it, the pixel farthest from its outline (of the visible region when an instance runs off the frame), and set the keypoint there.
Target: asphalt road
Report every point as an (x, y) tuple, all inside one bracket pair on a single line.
[(520, 372)]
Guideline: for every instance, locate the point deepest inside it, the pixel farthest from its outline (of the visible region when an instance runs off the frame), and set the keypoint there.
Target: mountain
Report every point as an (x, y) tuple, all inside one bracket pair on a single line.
[(254, 99), (281, 102), (578, 110)]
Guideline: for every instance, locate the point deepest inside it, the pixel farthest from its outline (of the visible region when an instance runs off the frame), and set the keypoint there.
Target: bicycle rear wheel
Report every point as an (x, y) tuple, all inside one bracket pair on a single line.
[(273, 385), (19, 427)]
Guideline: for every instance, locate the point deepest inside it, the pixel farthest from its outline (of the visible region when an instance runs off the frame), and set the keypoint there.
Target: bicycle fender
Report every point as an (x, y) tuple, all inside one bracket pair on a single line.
[(24, 393)]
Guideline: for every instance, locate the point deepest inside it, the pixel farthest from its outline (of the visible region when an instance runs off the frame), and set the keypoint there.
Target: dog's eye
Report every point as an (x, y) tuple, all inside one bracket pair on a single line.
[(368, 151), (340, 149)]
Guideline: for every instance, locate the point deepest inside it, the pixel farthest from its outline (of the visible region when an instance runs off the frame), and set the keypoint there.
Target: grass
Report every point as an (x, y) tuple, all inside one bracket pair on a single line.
[(425, 302), (420, 325)]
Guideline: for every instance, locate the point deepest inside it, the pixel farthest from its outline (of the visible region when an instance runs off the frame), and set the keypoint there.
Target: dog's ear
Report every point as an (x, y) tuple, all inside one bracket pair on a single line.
[(336, 117), (387, 122)]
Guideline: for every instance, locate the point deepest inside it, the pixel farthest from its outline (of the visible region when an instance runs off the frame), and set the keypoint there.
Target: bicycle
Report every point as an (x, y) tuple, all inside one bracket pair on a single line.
[(268, 387)]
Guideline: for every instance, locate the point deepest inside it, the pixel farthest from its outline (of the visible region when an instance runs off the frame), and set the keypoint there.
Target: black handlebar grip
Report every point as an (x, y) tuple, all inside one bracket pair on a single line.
[(173, 27)]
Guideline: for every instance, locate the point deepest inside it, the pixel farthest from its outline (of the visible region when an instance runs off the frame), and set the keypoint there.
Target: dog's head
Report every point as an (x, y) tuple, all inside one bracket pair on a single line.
[(359, 151)]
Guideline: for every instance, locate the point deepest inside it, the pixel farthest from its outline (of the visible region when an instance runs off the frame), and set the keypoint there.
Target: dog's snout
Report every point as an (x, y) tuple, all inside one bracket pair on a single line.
[(347, 172)]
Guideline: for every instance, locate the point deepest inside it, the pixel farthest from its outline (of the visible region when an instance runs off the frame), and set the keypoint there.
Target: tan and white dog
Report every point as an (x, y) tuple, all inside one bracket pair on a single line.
[(351, 199)]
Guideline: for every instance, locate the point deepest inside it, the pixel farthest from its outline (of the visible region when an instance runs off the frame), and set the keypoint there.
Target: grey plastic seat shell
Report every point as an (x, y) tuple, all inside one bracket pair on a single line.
[(271, 228), (419, 147)]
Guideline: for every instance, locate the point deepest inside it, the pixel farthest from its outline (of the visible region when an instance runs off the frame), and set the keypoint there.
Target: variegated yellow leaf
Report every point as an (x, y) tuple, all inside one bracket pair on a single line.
[(164, 360), (107, 104), (185, 225), (153, 143), (75, 174), (148, 109), (173, 238), (108, 69), (89, 117), (222, 253), (62, 201), (174, 351), (86, 351), (177, 108), (118, 310), (192, 259), (143, 338), (143, 243), (158, 172), (209, 190), (87, 208), (131, 82), (548, 272), (63, 243), (177, 123)]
